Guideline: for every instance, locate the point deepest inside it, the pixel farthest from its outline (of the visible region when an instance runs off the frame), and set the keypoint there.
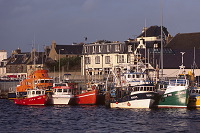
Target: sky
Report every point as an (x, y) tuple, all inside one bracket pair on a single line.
[(39, 22)]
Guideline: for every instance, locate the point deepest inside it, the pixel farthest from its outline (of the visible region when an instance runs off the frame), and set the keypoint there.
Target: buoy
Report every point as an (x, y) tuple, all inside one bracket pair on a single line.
[(128, 104)]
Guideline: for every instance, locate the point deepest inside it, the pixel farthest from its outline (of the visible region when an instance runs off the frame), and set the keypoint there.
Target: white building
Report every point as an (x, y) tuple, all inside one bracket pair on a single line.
[(3, 56)]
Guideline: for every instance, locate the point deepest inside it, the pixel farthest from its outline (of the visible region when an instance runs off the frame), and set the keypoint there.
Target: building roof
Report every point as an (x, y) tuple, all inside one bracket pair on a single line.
[(69, 49), (21, 58), (172, 58), (154, 31), (40, 58), (185, 41)]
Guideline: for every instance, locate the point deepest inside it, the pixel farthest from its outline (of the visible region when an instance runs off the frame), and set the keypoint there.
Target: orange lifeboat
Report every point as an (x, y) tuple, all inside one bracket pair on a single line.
[(38, 79)]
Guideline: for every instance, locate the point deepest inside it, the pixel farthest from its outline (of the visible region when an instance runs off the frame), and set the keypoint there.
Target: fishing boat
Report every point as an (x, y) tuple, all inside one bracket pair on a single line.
[(37, 79), (138, 90), (62, 94), (34, 97), (177, 92), (93, 95), (139, 96), (194, 99)]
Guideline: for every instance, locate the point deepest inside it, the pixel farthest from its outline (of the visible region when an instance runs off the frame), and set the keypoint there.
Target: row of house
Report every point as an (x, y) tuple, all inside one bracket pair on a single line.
[(99, 57)]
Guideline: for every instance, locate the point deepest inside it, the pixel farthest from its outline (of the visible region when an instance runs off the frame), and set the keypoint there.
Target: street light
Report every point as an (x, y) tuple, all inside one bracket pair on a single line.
[(59, 64)]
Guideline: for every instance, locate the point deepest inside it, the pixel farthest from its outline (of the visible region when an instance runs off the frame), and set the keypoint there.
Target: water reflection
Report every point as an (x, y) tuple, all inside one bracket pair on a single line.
[(64, 118)]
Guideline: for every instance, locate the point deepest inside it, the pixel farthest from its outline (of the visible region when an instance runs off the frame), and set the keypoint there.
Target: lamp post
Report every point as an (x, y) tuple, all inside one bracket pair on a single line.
[(59, 64)]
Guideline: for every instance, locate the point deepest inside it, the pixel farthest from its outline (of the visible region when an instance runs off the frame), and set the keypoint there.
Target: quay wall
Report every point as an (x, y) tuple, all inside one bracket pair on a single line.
[(6, 86)]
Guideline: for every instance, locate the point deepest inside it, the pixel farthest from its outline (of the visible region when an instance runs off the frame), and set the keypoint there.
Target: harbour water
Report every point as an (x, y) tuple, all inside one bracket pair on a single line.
[(95, 119)]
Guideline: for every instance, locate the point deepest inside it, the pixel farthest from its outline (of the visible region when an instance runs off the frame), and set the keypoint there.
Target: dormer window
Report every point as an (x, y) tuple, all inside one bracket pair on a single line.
[(129, 48), (108, 48), (24, 59), (94, 49), (100, 48), (86, 49), (117, 48), (13, 59)]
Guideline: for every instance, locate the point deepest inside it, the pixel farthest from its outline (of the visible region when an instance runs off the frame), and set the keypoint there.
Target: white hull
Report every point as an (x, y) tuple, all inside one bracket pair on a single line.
[(143, 103), (59, 99)]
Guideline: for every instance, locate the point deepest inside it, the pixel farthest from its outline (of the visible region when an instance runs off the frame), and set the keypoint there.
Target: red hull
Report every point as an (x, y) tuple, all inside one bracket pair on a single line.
[(38, 100), (87, 98)]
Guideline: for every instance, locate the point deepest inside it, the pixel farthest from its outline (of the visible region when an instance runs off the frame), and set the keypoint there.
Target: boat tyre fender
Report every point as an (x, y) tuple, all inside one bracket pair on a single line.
[(162, 99), (193, 99)]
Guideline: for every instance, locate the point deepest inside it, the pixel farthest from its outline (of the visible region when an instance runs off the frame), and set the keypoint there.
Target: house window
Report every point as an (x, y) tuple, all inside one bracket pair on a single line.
[(87, 60), (106, 70), (100, 48), (128, 58), (94, 49), (117, 49), (130, 48), (86, 49), (120, 59), (108, 48), (107, 59), (97, 60)]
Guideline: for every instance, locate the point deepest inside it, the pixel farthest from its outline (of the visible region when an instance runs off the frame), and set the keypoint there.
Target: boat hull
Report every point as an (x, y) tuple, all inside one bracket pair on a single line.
[(174, 99), (86, 98), (137, 100), (61, 100), (38, 100), (194, 101), (145, 103)]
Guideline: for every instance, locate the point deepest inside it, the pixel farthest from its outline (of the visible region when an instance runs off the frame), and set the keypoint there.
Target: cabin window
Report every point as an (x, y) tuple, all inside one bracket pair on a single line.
[(129, 76), (33, 92), (38, 92), (138, 76), (59, 90), (65, 90)]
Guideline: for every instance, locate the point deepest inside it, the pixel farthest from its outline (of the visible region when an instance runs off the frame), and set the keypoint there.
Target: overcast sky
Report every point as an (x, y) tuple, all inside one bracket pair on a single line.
[(68, 21)]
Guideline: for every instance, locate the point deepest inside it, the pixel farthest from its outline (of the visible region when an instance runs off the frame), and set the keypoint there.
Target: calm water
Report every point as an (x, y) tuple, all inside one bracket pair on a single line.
[(95, 119)]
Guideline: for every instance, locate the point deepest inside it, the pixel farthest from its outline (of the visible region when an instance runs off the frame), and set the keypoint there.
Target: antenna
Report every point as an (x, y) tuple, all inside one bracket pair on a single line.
[(182, 66)]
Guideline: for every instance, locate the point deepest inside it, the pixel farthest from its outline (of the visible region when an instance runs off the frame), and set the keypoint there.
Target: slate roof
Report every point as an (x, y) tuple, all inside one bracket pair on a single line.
[(39, 58), (154, 31), (185, 41), (172, 59), (69, 49), (21, 58)]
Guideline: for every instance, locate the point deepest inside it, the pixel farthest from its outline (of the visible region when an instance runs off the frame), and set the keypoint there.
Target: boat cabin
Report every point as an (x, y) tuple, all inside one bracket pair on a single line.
[(62, 90), (178, 82), (35, 92), (144, 88)]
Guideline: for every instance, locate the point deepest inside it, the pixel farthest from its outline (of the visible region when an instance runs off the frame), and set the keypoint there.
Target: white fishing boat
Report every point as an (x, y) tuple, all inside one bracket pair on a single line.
[(61, 94), (138, 91)]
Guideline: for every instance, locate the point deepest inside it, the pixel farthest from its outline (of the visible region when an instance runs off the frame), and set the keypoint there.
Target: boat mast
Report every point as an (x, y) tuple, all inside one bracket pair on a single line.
[(161, 40)]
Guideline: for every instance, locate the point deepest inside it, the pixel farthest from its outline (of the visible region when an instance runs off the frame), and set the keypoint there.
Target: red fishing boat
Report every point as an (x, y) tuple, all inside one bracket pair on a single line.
[(34, 97), (92, 96), (37, 79)]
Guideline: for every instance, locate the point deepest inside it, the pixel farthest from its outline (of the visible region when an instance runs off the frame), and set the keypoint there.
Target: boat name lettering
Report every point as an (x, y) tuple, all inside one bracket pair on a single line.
[(133, 97), (149, 95)]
